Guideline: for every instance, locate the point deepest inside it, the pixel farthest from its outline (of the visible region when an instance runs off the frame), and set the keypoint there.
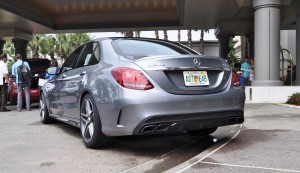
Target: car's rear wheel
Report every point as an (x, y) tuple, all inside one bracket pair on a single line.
[(90, 124), (44, 113), (202, 132)]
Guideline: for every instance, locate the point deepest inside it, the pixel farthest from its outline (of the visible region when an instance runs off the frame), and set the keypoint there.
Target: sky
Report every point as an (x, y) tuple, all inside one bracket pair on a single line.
[(172, 35)]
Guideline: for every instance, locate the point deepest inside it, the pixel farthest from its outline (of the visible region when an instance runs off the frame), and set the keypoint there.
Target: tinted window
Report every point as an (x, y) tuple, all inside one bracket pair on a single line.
[(89, 56), (135, 49), (71, 60)]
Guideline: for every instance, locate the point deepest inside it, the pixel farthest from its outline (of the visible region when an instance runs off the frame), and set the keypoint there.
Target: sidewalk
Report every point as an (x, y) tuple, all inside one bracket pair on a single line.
[(268, 142)]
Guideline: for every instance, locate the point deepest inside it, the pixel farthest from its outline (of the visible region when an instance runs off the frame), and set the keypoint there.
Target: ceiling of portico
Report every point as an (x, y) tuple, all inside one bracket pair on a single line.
[(51, 16)]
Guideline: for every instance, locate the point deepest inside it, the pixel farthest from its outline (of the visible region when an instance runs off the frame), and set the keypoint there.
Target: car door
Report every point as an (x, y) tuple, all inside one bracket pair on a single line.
[(76, 79), (59, 87)]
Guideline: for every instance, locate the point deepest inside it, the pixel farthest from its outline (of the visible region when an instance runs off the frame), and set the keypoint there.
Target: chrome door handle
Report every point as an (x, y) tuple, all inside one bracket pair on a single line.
[(63, 76), (82, 74)]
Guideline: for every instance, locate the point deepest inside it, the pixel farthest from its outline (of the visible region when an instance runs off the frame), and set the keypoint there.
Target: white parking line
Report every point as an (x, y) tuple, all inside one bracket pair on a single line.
[(200, 160), (162, 156), (252, 167)]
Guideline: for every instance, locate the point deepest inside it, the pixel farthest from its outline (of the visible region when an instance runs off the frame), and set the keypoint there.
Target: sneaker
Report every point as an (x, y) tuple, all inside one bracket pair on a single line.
[(18, 110)]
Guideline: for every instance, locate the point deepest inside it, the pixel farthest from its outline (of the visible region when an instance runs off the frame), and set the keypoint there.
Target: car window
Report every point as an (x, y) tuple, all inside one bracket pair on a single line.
[(136, 49), (71, 60), (89, 56)]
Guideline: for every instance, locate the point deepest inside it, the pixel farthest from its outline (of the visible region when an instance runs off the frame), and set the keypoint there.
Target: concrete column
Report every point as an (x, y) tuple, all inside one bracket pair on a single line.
[(21, 47), (223, 40), (2, 42), (267, 42), (296, 5)]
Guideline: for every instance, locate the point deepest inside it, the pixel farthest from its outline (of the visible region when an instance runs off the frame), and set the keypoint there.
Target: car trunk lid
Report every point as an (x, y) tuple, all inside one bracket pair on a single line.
[(186, 74)]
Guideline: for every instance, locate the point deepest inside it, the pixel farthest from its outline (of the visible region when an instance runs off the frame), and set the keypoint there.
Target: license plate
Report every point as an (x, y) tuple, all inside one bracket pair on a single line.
[(195, 78)]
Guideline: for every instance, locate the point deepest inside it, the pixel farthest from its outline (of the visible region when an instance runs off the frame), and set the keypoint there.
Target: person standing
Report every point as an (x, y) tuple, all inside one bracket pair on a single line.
[(21, 84), (53, 63), (246, 68), (3, 83)]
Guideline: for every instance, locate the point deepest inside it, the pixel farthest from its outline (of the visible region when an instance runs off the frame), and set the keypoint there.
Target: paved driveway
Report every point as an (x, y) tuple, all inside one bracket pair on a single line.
[(268, 141)]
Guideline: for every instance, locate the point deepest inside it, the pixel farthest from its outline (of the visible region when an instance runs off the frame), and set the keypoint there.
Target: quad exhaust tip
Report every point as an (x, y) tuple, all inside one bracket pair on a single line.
[(153, 128)]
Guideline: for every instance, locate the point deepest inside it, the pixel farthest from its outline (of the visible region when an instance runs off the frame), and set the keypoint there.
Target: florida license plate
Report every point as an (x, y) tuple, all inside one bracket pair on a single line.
[(195, 78)]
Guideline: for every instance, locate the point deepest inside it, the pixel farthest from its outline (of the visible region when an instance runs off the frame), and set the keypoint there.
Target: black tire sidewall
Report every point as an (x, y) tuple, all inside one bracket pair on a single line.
[(46, 119), (98, 139)]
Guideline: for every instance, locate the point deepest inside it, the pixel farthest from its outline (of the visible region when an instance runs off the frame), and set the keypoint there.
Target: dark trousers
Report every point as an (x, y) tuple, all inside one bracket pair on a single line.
[(3, 96)]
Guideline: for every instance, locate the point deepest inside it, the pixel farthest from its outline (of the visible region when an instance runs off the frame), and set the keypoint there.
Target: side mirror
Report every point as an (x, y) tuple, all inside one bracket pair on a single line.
[(52, 70)]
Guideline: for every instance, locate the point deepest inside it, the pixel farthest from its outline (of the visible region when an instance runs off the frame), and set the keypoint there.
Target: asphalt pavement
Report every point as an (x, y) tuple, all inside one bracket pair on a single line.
[(268, 141)]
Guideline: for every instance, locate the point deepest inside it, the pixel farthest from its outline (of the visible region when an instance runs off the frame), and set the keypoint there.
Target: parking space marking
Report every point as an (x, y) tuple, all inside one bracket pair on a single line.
[(162, 156), (209, 154), (252, 167)]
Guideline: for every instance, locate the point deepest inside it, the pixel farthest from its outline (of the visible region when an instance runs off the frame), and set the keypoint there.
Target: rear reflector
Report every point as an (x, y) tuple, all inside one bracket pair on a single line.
[(130, 78), (235, 79)]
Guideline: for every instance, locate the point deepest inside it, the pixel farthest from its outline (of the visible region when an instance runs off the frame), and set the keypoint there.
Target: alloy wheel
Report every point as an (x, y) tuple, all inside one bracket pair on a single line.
[(87, 120), (42, 109)]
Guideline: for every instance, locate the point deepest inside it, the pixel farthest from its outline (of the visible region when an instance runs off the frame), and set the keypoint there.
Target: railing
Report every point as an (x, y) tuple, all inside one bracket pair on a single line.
[(287, 69)]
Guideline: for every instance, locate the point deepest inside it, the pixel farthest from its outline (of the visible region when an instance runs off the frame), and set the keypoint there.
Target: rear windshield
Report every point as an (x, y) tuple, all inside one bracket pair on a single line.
[(136, 49)]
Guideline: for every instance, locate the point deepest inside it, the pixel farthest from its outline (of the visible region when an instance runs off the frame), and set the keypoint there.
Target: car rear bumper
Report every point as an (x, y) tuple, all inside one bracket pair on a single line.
[(182, 123), (140, 112), (34, 95)]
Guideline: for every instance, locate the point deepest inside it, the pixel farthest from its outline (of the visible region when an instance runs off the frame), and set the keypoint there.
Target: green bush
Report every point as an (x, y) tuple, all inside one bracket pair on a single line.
[(294, 99)]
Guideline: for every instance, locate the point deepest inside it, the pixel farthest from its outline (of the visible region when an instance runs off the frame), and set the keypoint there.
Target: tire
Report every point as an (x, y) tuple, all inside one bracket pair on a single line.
[(202, 132), (90, 124), (44, 112)]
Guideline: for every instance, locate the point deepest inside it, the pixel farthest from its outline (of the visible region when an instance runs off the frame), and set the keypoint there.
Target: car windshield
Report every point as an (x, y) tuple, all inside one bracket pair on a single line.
[(136, 49)]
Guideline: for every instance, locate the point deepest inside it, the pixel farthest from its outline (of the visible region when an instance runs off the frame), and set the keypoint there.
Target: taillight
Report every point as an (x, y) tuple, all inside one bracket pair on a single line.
[(130, 78), (235, 79)]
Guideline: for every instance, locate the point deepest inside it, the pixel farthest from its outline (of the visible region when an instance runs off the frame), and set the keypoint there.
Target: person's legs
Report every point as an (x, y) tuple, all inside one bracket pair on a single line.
[(246, 79), (19, 101), (1, 96), (27, 95)]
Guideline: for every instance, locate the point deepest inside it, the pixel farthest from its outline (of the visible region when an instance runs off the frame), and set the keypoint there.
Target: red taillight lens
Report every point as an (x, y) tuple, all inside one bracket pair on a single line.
[(235, 79), (130, 78)]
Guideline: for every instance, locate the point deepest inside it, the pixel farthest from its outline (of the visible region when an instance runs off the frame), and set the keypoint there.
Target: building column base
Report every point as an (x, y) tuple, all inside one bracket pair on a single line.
[(266, 83)]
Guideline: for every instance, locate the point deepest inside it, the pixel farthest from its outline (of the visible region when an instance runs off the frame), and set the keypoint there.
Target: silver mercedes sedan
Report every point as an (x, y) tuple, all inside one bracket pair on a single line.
[(139, 86)]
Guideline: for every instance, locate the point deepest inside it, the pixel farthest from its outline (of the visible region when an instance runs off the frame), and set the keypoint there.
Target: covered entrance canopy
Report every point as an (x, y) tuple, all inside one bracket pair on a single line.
[(20, 19)]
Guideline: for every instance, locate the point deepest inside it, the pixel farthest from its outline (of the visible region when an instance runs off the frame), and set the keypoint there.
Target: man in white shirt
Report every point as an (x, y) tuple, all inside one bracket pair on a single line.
[(3, 83)]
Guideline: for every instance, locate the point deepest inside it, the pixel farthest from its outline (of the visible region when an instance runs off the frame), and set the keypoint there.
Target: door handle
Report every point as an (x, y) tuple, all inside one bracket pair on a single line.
[(63, 76), (82, 74)]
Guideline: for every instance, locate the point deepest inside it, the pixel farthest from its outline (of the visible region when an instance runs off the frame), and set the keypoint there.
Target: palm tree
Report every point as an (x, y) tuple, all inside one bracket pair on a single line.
[(34, 45), (66, 43), (9, 48), (178, 36), (231, 53), (156, 34), (189, 34), (165, 35)]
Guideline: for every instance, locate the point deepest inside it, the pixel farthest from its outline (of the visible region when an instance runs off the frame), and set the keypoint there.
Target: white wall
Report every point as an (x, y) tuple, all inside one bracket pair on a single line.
[(274, 94)]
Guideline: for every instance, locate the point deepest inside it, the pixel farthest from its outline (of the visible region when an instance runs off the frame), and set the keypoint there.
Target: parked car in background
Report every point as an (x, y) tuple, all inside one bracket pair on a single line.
[(38, 69), (138, 86)]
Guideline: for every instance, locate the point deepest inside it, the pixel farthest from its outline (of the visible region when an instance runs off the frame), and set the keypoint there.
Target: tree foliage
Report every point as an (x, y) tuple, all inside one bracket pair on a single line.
[(60, 45), (231, 53)]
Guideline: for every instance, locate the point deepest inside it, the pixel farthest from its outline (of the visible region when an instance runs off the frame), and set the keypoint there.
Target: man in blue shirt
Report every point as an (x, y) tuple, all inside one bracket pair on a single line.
[(245, 68), (21, 85)]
